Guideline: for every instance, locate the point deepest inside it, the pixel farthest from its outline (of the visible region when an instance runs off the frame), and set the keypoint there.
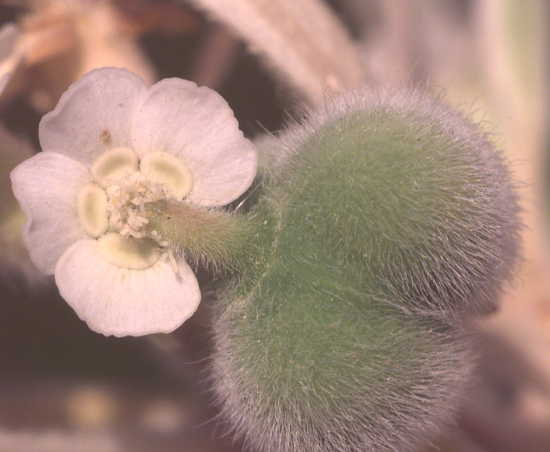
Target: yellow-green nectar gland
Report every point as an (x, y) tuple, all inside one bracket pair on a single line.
[(112, 208)]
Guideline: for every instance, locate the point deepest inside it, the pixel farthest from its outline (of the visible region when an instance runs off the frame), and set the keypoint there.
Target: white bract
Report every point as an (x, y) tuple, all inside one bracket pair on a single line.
[(111, 146)]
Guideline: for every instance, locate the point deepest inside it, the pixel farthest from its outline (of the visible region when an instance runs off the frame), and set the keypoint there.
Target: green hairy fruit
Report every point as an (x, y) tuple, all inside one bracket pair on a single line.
[(382, 223)]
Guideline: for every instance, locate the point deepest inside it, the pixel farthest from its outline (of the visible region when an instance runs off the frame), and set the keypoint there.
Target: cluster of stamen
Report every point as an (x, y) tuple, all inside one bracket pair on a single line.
[(113, 208), (126, 204)]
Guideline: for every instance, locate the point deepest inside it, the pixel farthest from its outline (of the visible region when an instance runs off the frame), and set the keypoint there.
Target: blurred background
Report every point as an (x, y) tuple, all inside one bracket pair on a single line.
[(65, 388)]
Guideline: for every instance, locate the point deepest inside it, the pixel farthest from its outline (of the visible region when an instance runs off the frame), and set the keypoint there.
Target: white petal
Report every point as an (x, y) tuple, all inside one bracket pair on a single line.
[(123, 302), (93, 115), (46, 187), (198, 126)]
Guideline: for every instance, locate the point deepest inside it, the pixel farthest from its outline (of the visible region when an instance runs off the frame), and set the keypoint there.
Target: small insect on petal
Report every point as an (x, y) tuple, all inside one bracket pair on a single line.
[(92, 210), (129, 252), (114, 164), (168, 170)]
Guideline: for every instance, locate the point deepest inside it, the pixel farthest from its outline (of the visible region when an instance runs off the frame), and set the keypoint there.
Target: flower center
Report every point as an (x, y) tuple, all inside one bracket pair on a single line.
[(112, 208)]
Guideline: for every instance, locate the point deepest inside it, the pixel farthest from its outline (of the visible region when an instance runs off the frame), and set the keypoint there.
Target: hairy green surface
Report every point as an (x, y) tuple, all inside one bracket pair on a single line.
[(382, 224), (421, 218)]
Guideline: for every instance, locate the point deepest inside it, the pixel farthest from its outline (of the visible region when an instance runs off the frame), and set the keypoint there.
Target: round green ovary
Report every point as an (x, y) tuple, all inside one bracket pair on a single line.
[(169, 171), (114, 164), (129, 252), (92, 210)]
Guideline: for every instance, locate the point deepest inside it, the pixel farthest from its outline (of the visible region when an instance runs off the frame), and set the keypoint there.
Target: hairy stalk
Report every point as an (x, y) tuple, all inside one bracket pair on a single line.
[(205, 236)]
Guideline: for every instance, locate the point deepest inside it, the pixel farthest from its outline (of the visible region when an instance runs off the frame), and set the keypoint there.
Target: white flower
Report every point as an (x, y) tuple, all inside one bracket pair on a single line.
[(9, 54), (111, 145)]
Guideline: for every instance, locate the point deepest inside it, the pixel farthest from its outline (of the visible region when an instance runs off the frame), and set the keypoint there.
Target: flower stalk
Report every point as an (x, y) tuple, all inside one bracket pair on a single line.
[(203, 236)]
